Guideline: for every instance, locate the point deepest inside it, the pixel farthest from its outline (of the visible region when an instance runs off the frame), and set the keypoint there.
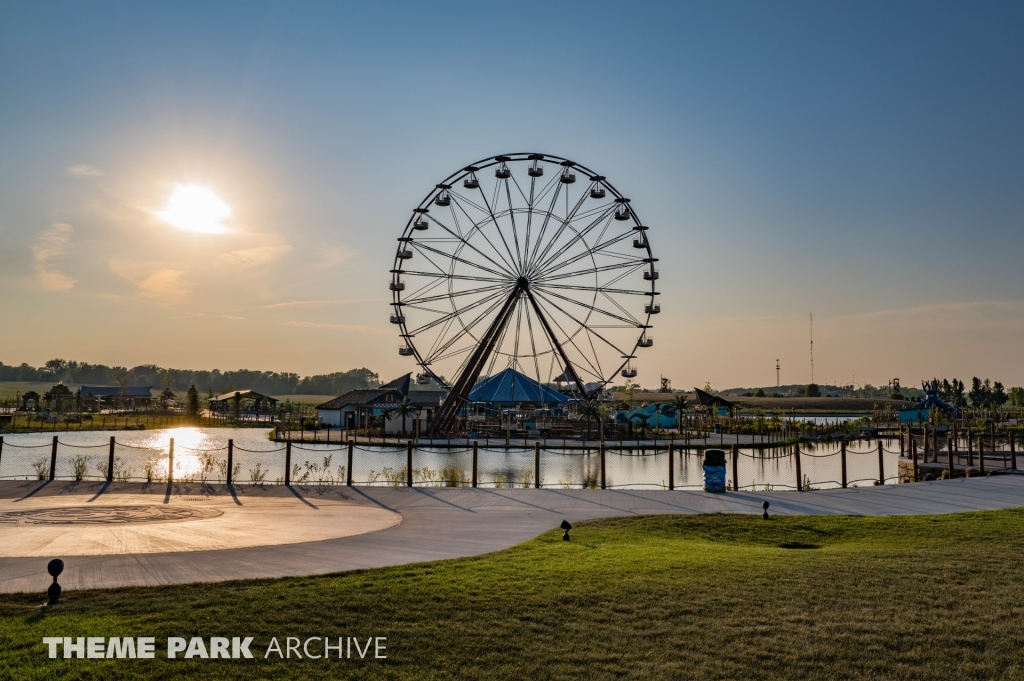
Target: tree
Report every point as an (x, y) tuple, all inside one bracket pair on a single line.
[(588, 411), (1016, 397), (404, 409), (979, 393), (998, 396), (759, 393), (813, 390), (680, 403), (193, 401)]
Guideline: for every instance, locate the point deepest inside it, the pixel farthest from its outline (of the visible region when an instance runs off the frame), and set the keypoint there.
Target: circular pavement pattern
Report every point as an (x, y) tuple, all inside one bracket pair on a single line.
[(82, 525), (106, 515)]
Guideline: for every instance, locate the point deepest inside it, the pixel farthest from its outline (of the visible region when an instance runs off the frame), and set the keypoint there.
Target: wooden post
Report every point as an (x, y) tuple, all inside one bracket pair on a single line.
[(949, 451), (348, 471), (924, 440), (671, 466), (231, 458), (881, 462), (1013, 451), (981, 453), (604, 479), (799, 476), (53, 458), (476, 451), (2, 445), (110, 461), (901, 439), (935, 443), (170, 461), (288, 464), (970, 447), (408, 464), (735, 468), (536, 465), (913, 453), (842, 453)]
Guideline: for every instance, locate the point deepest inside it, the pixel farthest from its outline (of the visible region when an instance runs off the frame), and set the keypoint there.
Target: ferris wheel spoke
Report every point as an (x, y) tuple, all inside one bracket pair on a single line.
[(577, 238), (466, 242), (470, 263), (600, 248), (561, 347), (456, 294), (547, 216), (465, 330), (533, 347), (593, 308), (440, 320), (591, 327), (529, 219), (621, 309), (634, 264), (490, 212), (477, 228), (446, 275), (564, 223), (604, 289), (512, 219)]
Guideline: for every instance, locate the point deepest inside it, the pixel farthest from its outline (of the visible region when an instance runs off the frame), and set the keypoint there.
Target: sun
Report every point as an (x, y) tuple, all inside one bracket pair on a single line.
[(196, 209)]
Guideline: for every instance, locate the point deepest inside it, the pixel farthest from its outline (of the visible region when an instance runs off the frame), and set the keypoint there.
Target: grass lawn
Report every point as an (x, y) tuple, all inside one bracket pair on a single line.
[(703, 597)]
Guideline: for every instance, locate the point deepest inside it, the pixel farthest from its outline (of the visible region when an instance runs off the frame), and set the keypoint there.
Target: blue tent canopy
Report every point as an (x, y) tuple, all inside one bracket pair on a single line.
[(511, 387)]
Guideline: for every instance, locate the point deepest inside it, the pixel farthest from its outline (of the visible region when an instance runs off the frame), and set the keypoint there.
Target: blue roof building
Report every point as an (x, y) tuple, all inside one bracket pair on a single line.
[(512, 387)]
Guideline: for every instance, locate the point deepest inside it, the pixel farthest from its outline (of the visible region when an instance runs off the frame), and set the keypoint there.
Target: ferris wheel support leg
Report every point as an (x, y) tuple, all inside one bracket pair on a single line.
[(460, 390), (558, 346)]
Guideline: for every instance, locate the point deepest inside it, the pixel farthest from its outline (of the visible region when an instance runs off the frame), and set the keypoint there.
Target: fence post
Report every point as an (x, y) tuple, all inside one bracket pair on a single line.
[(53, 458), (231, 457), (949, 450), (671, 466), (170, 462), (913, 453), (902, 450), (881, 461), (735, 468), (408, 464), (842, 452), (110, 461), (536, 465), (476, 449), (1013, 451), (348, 471), (2, 446), (604, 480), (924, 440), (935, 444), (287, 463), (970, 447), (981, 453), (799, 476)]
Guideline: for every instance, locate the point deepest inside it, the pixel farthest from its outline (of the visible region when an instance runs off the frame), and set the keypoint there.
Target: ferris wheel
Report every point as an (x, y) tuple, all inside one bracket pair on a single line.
[(525, 261)]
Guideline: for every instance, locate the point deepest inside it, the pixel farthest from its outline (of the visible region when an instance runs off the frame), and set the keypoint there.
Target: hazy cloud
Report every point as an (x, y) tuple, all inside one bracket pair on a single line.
[(164, 286), (346, 327), (50, 244), (250, 257), (318, 303), (84, 171)]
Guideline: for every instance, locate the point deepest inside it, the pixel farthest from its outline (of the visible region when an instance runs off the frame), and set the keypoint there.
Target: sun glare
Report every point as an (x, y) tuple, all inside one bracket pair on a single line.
[(196, 209)]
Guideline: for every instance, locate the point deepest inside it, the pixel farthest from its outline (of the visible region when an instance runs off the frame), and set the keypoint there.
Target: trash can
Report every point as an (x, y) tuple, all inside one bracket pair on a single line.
[(714, 470)]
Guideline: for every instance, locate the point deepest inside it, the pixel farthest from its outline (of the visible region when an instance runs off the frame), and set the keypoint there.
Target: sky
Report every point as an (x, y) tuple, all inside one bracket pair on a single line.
[(859, 161)]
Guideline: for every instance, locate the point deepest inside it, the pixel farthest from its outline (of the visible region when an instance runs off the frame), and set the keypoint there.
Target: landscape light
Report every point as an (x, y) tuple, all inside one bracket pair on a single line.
[(54, 567), (765, 507), (565, 526)]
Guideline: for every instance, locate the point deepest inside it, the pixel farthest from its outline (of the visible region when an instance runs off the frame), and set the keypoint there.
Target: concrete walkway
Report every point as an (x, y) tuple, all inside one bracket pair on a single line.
[(438, 523)]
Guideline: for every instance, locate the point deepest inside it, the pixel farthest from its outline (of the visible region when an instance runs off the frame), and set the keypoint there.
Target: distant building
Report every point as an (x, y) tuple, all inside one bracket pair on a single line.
[(97, 397), (362, 408), (60, 398), (713, 403), (243, 402)]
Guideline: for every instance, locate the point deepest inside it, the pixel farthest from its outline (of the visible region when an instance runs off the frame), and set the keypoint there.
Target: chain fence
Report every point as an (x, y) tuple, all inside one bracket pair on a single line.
[(816, 466)]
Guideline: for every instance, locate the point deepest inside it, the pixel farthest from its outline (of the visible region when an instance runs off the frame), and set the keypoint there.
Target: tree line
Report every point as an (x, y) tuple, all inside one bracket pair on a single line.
[(266, 382)]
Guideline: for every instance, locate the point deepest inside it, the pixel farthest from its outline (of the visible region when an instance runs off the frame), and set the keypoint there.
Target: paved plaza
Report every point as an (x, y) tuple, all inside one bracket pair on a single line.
[(125, 534)]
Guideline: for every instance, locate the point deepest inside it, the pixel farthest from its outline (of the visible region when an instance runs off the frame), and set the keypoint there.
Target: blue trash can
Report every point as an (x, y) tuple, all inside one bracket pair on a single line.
[(714, 470)]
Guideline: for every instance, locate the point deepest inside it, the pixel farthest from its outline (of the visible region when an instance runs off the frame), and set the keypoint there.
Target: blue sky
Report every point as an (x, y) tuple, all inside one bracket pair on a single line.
[(859, 160)]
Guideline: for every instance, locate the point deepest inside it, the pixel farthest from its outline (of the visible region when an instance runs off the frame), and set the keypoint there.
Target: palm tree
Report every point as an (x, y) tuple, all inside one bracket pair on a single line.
[(405, 408), (680, 403), (588, 411)]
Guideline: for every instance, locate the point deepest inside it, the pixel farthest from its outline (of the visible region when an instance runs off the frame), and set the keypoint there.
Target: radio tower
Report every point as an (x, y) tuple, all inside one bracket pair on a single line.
[(812, 347), (776, 373)]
